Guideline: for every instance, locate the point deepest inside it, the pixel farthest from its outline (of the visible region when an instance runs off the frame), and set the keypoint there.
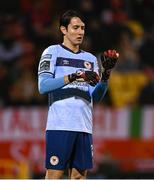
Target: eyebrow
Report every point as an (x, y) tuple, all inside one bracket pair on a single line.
[(78, 25)]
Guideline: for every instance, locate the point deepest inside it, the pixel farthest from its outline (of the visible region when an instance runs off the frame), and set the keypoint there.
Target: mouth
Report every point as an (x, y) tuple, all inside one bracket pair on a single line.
[(79, 38)]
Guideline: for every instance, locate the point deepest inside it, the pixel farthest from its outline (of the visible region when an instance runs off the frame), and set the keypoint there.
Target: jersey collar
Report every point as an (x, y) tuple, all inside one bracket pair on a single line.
[(70, 49)]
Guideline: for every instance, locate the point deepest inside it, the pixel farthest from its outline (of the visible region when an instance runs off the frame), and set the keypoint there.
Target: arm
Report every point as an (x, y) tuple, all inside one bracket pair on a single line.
[(108, 62), (99, 91), (47, 83)]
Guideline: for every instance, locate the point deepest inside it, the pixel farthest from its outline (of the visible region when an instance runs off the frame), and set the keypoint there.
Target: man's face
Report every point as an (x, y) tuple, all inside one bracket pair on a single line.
[(75, 31)]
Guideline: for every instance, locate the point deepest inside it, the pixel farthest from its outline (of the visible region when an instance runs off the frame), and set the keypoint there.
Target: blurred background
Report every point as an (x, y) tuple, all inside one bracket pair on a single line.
[(123, 122)]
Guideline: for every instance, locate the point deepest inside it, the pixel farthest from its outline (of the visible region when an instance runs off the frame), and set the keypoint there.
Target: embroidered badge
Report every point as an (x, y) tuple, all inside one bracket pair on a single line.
[(45, 65), (54, 160), (46, 56), (87, 65)]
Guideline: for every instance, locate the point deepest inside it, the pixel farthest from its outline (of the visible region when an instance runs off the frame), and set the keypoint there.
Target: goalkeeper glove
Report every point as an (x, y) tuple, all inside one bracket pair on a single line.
[(108, 61), (90, 77)]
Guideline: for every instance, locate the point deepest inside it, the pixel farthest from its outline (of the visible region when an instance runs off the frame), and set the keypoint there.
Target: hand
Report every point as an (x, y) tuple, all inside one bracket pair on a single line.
[(90, 77), (108, 61)]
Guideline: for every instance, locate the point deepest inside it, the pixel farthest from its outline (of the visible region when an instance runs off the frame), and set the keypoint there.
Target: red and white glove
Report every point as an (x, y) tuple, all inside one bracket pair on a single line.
[(108, 61), (90, 77)]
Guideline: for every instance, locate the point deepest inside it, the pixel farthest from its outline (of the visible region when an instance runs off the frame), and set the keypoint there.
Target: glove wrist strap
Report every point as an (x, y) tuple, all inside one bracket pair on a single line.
[(106, 74), (72, 77)]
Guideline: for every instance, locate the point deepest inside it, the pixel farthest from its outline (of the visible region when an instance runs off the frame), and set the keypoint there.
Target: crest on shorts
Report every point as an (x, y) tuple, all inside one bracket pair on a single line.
[(87, 65), (54, 160)]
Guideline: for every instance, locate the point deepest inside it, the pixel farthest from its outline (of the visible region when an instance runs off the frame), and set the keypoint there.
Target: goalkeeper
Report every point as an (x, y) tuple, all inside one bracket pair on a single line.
[(70, 77)]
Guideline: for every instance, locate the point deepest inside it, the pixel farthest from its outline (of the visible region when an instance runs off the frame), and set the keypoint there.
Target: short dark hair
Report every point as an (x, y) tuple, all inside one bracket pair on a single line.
[(68, 15)]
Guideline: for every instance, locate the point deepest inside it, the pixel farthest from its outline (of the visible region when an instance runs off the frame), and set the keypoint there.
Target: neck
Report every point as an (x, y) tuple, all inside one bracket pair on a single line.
[(68, 44)]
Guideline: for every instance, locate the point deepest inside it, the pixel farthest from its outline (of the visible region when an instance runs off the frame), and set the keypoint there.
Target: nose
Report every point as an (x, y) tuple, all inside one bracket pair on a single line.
[(81, 31)]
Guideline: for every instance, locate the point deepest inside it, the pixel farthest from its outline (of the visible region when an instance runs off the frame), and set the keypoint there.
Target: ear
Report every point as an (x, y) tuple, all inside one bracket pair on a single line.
[(63, 29)]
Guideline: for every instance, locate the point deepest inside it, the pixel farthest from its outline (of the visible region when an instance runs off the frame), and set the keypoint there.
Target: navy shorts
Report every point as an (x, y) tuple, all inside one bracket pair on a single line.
[(68, 149)]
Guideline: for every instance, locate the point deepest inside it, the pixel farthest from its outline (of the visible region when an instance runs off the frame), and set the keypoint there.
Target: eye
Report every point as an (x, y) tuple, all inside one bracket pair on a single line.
[(76, 27), (83, 27)]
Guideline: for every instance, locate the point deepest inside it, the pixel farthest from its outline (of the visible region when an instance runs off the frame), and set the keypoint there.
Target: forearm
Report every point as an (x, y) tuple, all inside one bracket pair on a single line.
[(108, 61), (46, 83), (99, 91)]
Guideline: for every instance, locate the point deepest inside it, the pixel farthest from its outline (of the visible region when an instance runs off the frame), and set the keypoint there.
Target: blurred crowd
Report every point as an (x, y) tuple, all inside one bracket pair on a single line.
[(29, 26)]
